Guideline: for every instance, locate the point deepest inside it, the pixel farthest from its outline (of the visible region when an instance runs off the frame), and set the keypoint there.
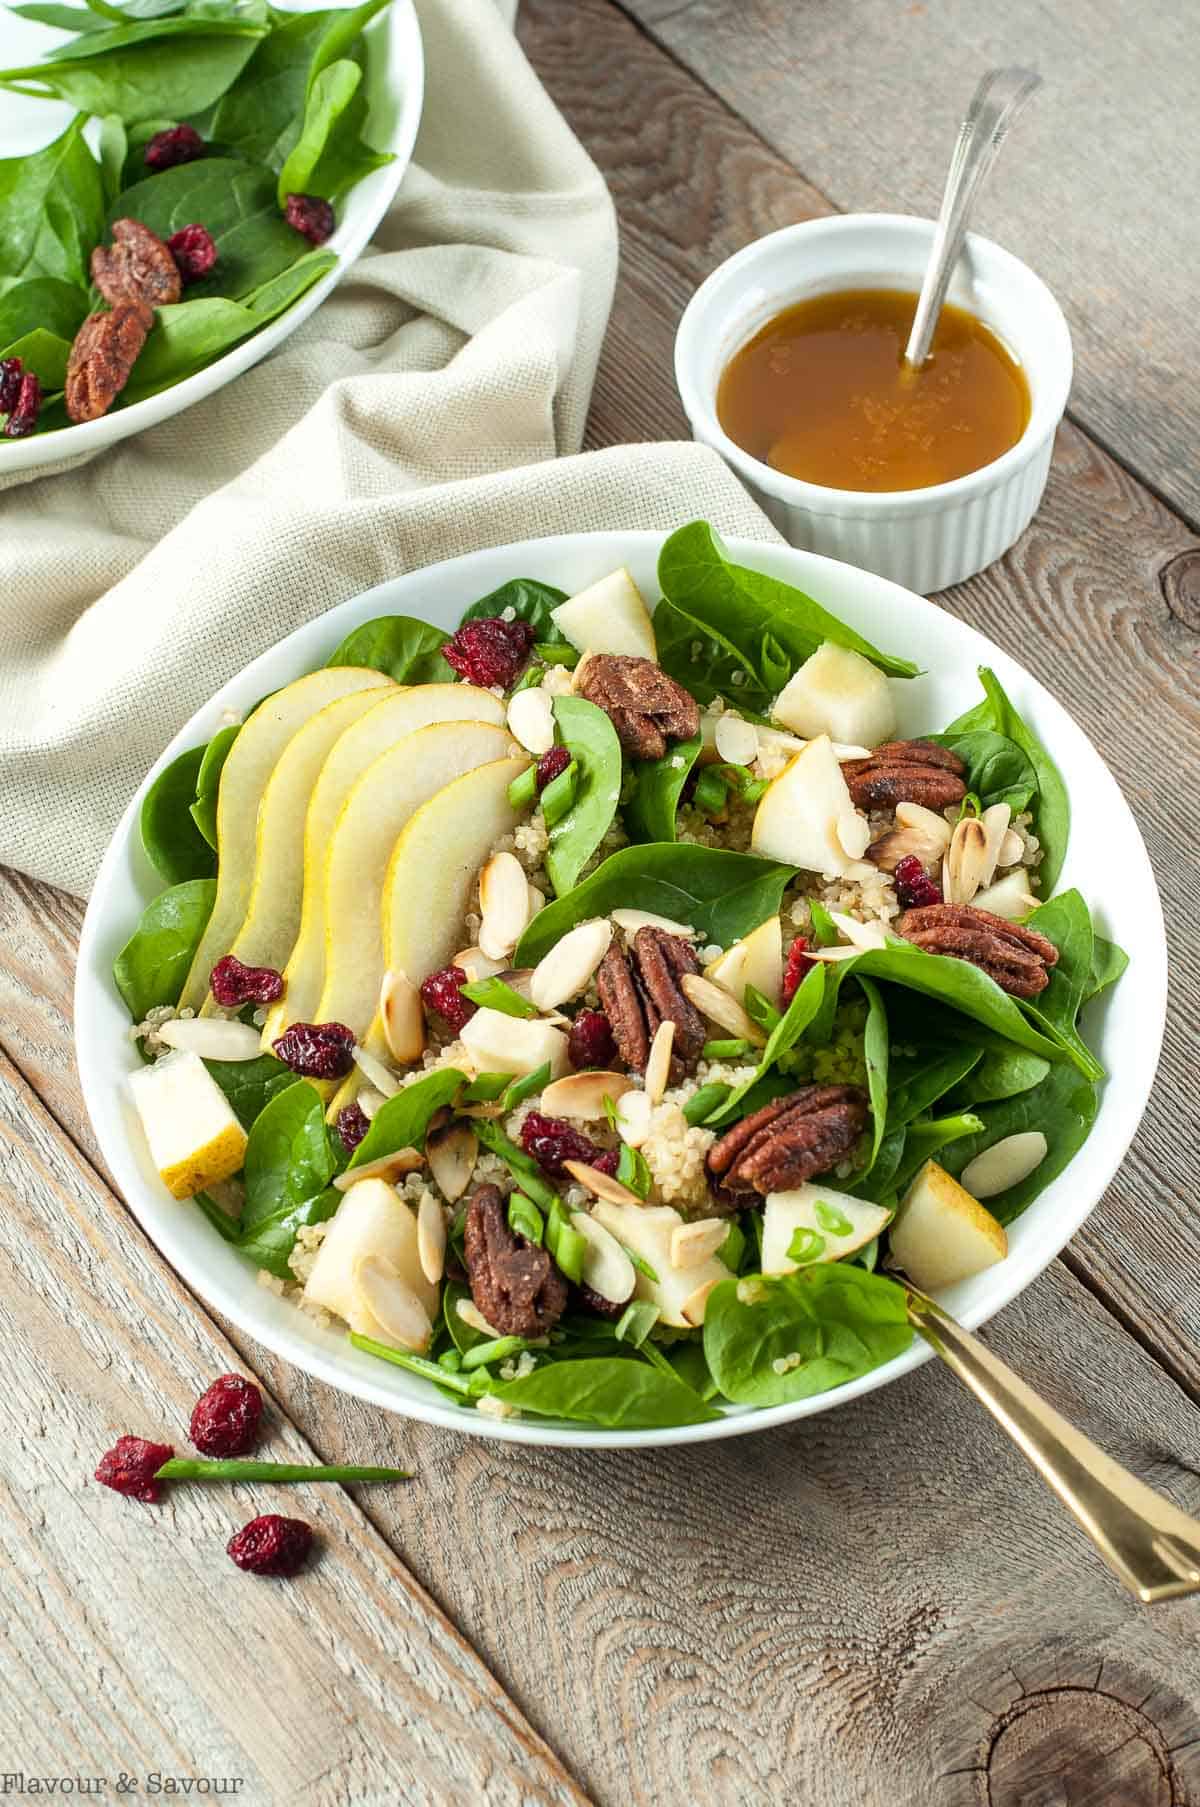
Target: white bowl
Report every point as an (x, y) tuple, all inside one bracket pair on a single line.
[(928, 538), (395, 87), (1106, 860)]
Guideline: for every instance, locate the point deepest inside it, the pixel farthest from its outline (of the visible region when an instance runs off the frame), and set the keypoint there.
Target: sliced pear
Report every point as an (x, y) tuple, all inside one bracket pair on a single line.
[(375, 813), (194, 1137), (757, 959), (844, 1224), (679, 1292), (511, 1044), (372, 1224), (608, 617), (244, 778), (386, 722), (800, 813), (838, 692), (1009, 897), (942, 1234)]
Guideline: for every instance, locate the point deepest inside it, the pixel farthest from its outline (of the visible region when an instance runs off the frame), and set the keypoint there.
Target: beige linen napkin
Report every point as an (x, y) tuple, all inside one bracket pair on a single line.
[(418, 414)]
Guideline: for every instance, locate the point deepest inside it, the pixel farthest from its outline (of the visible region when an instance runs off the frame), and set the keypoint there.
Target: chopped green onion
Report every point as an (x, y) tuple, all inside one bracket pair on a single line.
[(705, 1102), (566, 1245), (733, 1247), (451, 1360), (486, 1088), (759, 1009), (418, 1364), (726, 1050), (523, 1166), (711, 793), (752, 792), (533, 674), (641, 1265), (610, 1110), (238, 1468), (970, 806), (806, 1245), (524, 1218), (520, 1089), (551, 653), (559, 794), (498, 1349), (523, 790), (636, 1322), (831, 1218), (494, 994), (632, 1170)]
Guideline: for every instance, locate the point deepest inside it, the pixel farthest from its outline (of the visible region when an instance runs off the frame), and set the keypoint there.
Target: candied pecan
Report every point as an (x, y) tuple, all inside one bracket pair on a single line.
[(645, 706), (137, 266), (789, 1140), (641, 989), (623, 1007), (906, 771), (1016, 957), (513, 1282), (105, 349)]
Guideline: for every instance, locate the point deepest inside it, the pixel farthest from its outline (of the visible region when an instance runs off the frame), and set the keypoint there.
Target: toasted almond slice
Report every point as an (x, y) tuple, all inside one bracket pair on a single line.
[(831, 955), (1012, 850), (967, 860), (995, 819), (901, 844), (582, 1095), (537, 901), (531, 720), (634, 1111), (474, 1319), (717, 1005), (693, 1243), (601, 1184), (452, 1152), (212, 1037), (374, 1071), (1006, 1163), (658, 1062), (865, 936), (566, 970), (694, 1305), (393, 1304), (387, 1167), (842, 750), (402, 1017), (503, 903), (369, 1101), (926, 822), (476, 964), (736, 740), (630, 921), (431, 1238), (607, 1269), (853, 833)]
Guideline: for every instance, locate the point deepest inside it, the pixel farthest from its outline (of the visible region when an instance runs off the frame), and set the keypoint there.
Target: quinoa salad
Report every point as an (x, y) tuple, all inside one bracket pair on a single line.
[(603, 1011)]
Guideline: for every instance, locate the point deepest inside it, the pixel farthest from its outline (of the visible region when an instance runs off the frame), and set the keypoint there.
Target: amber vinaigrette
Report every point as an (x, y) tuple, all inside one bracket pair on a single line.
[(822, 392)]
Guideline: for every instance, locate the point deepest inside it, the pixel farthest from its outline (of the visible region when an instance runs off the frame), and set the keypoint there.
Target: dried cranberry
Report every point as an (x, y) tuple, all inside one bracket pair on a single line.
[(317, 1050), (194, 252), (798, 965), (590, 1043), (225, 1419), (552, 765), (178, 144), (23, 418), (310, 216), (442, 991), (233, 984), (489, 651), (914, 887), (352, 1125), (271, 1545), (608, 1162), (130, 1466), (551, 1141), (10, 383)]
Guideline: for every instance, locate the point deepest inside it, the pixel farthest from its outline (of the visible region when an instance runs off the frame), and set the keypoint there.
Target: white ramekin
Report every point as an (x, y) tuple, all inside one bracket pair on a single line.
[(924, 539)]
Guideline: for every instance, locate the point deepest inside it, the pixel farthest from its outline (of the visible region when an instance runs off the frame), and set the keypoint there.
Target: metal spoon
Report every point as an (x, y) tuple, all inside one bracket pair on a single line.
[(998, 99), (1150, 1544)]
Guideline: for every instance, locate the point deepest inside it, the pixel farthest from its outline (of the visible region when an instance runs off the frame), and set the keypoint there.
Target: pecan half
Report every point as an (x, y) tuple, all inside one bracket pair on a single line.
[(1017, 958), (102, 356), (645, 706), (514, 1283), (906, 771), (137, 266), (788, 1141), (641, 989)]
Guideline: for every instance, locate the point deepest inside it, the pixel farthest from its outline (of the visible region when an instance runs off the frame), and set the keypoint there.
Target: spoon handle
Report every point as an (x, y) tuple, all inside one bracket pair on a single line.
[(997, 101), (1150, 1544)]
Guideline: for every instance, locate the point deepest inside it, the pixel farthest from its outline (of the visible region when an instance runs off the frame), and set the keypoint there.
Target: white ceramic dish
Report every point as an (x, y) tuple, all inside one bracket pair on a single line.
[(1106, 860), (395, 86), (925, 539)]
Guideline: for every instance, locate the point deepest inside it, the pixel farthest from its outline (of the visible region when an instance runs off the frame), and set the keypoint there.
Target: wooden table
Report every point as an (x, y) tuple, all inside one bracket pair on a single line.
[(881, 1605)]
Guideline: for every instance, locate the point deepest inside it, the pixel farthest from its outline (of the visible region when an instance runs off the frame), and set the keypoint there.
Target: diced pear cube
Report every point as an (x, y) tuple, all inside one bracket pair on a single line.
[(800, 813), (757, 959), (838, 692), (942, 1234), (372, 1222), (498, 1043), (195, 1139), (679, 1292), (843, 1223), (608, 617)]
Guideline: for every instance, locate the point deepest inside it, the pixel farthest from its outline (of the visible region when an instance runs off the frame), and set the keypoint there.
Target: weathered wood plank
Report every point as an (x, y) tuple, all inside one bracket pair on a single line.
[(1095, 190)]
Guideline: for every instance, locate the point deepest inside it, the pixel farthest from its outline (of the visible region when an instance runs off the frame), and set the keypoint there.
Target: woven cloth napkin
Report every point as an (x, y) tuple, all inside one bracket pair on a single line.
[(430, 406)]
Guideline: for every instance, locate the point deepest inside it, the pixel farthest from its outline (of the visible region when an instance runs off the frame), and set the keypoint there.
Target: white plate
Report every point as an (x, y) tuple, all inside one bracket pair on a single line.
[(1106, 860), (395, 86)]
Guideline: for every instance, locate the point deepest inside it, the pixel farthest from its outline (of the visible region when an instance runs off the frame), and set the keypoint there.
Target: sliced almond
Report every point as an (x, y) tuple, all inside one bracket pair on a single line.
[(694, 1305), (1006, 1163), (658, 1062), (634, 1112), (531, 720), (474, 1319), (905, 843), (369, 1101), (431, 1238), (926, 822), (842, 750), (391, 1302), (402, 1017), (865, 936), (1012, 850), (736, 740), (581, 1095), (476, 964), (387, 1167), (692, 1243), (853, 833), (374, 1071), (630, 921), (967, 859), (601, 1184), (995, 819), (504, 905), (212, 1037), (537, 901), (844, 951), (452, 1153), (607, 1269), (566, 970), (717, 1005)]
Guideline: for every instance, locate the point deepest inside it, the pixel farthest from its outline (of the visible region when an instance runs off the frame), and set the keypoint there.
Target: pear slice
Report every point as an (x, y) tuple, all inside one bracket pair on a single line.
[(648, 1230), (942, 1234), (838, 692), (757, 959), (194, 1137), (843, 1223), (373, 815), (244, 778), (608, 617), (801, 812), (372, 1223), (399, 713)]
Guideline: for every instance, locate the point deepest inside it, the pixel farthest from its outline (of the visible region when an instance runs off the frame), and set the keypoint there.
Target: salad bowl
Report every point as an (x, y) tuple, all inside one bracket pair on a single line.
[(1123, 1025)]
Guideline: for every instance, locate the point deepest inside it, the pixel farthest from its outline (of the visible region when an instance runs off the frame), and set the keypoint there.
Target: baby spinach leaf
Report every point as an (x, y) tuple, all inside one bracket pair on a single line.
[(51, 215), (43, 303), (171, 80), (1063, 1107), (113, 149), (270, 1241), (208, 781), (918, 1080), (330, 154), (62, 18), (289, 1155), (236, 204), (800, 1013), (1052, 817), (1108, 963), (342, 29), (259, 116), (875, 1054), (529, 601), (998, 770), (407, 650), (1001, 1073), (651, 808), (152, 966), (1066, 920), (404, 1119), (45, 354), (701, 658), (841, 1321), (128, 33), (174, 845), (250, 1085), (926, 1138), (592, 742), (721, 895), (618, 1394)]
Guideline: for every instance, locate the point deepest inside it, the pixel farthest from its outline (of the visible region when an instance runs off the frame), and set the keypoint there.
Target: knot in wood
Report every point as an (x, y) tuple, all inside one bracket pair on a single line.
[(1070, 1745), (1180, 580)]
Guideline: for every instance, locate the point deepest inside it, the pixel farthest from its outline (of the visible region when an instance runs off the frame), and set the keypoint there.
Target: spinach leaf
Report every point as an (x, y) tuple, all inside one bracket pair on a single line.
[(51, 214), (708, 664), (875, 1054), (259, 116), (164, 80), (152, 966), (208, 781), (250, 1085), (174, 845), (592, 742), (289, 1155), (1063, 1107), (1108, 963), (879, 1186), (341, 32), (998, 771), (236, 203), (112, 149), (529, 601), (129, 33), (918, 1080), (653, 804), (409, 651), (841, 1321), (331, 154), (616, 1393), (1052, 817), (271, 1240), (403, 1120), (800, 1013), (45, 354), (42, 303), (1066, 920), (721, 895), (927, 1137), (1001, 1073), (62, 18)]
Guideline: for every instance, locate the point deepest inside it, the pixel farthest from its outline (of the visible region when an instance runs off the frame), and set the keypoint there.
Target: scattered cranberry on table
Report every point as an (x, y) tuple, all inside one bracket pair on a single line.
[(310, 216), (489, 651), (271, 1545), (226, 1418), (178, 144), (130, 1466)]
